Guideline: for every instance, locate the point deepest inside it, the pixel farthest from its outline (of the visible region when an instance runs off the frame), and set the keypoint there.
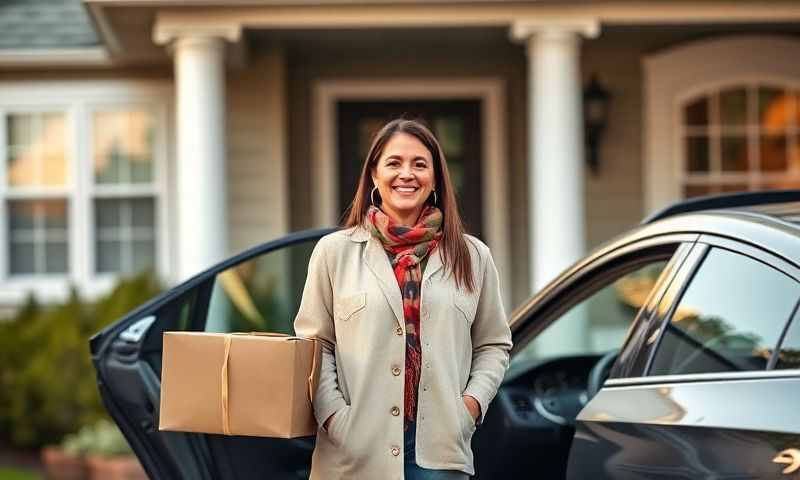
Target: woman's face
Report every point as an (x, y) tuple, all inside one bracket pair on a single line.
[(405, 178)]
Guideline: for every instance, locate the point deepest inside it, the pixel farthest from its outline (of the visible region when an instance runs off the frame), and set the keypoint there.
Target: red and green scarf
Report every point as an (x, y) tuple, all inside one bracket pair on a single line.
[(408, 247)]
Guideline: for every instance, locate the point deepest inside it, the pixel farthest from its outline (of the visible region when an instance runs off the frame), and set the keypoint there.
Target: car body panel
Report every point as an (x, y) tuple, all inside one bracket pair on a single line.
[(709, 428)]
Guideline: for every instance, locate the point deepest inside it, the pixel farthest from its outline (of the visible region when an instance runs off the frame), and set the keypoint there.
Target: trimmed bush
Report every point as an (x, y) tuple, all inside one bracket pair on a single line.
[(47, 383)]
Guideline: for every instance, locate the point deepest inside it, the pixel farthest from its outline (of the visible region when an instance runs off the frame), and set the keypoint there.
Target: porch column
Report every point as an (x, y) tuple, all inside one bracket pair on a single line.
[(200, 170), (556, 160)]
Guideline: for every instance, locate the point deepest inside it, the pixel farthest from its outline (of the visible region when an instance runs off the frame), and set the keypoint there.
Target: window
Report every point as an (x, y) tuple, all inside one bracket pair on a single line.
[(82, 185), (36, 199), (261, 294), (124, 206), (741, 137), (600, 322), (728, 319), (789, 353)]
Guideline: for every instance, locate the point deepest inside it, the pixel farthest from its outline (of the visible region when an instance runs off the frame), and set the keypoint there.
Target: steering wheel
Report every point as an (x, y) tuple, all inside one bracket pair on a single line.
[(599, 373)]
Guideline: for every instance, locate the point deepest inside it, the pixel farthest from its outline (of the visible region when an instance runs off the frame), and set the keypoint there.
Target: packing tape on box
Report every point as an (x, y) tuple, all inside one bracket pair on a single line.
[(226, 420)]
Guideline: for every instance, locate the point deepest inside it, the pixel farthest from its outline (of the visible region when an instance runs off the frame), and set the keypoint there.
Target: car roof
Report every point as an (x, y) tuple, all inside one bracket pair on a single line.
[(782, 205)]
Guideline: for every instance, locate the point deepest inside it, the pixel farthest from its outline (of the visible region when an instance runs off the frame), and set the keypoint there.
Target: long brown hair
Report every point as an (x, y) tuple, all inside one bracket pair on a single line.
[(455, 252)]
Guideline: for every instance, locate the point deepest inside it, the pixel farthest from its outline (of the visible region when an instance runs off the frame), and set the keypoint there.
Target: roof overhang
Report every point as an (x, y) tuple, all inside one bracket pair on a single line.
[(132, 29)]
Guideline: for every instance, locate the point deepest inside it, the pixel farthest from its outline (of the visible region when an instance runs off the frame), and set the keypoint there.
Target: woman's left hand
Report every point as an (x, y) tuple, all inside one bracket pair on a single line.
[(472, 405)]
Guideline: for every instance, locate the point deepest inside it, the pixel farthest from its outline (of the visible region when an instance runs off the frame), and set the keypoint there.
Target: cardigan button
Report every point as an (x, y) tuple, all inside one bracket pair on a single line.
[(398, 331), (395, 451), (395, 411), (396, 371)]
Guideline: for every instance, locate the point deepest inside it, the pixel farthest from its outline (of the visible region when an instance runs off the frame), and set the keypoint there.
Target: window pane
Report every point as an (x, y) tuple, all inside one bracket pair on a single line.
[(109, 256), (54, 214), (39, 234), (697, 154), (123, 146), (143, 210), (733, 107), (107, 213), (53, 150), (602, 320), (734, 153), (55, 257), (22, 258), (789, 356), (729, 318), (261, 294), (36, 149), (696, 113), (774, 153), (125, 235), (20, 129), (773, 108), (144, 255)]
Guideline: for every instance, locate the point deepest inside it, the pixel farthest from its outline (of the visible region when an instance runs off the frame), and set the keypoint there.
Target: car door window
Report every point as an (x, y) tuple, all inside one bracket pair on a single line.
[(260, 294), (729, 318), (789, 353), (600, 322)]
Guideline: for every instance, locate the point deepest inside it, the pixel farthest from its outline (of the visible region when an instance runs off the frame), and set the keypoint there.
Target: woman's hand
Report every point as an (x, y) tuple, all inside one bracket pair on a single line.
[(473, 406), (328, 422)]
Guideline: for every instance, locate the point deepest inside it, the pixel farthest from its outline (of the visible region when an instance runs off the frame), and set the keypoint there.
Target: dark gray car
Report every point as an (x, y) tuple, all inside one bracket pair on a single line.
[(671, 352)]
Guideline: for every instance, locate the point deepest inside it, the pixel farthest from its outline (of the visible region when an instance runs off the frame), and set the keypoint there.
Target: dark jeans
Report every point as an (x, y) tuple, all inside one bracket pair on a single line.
[(412, 471)]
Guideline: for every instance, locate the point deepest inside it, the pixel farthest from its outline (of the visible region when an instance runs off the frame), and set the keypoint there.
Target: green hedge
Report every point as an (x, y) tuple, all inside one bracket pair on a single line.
[(47, 383)]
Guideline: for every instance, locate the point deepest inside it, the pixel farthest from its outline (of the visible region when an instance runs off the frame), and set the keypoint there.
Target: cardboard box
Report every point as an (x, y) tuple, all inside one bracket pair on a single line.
[(256, 384)]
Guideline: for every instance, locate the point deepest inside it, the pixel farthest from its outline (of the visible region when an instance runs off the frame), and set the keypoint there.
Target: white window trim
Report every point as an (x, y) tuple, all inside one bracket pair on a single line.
[(685, 71), (490, 91), (79, 99)]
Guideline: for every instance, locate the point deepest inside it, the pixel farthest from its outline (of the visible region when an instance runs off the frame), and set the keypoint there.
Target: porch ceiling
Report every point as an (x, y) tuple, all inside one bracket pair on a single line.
[(127, 27)]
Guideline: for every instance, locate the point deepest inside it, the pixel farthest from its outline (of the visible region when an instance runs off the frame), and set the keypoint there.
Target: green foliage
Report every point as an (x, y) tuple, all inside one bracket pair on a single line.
[(102, 438), (47, 383), (15, 474)]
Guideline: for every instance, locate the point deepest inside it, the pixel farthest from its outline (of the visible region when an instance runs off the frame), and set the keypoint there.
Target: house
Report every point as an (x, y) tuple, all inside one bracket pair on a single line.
[(170, 134)]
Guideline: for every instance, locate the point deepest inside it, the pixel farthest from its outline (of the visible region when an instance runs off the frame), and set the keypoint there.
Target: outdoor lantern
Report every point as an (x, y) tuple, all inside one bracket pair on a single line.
[(596, 100)]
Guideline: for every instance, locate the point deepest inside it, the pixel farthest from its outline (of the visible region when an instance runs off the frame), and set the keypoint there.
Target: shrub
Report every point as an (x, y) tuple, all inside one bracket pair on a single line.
[(47, 383)]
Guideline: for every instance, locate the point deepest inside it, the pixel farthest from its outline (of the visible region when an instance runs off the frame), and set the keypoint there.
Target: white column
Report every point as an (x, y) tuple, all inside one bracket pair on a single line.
[(202, 221), (556, 161)]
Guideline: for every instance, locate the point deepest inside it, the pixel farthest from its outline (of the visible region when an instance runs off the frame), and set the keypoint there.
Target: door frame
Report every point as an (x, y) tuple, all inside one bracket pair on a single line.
[(490, 91)]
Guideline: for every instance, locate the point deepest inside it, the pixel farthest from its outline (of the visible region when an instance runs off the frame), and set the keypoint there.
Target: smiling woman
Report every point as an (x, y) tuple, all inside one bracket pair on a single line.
[(421, 368)]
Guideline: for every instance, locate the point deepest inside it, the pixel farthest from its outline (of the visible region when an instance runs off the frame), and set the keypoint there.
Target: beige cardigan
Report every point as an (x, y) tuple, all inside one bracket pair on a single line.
[(352, 304)]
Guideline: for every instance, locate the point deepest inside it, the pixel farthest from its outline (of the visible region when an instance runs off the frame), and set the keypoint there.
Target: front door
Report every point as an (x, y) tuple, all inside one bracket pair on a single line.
[(456, 123)]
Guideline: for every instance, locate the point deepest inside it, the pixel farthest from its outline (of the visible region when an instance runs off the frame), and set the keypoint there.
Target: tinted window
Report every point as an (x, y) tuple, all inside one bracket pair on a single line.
[(789, 356), (729, 319)]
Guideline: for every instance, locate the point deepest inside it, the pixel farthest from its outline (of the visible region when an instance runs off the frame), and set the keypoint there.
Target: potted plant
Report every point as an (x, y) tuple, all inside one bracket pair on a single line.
[(104, 453)]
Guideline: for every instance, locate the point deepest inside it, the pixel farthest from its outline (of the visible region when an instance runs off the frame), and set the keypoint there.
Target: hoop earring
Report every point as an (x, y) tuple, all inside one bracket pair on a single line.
[(372, 196), (435, 200)]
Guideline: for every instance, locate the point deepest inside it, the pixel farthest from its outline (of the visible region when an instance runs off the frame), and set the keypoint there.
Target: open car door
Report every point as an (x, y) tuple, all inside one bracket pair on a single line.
[(258, 290)]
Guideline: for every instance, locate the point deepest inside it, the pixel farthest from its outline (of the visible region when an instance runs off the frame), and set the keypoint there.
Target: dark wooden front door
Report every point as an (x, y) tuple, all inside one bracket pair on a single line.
[(457, 125)]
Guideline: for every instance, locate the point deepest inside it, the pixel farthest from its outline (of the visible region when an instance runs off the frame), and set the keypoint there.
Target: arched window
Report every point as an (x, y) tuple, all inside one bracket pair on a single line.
[(740, 137), (721, 115)]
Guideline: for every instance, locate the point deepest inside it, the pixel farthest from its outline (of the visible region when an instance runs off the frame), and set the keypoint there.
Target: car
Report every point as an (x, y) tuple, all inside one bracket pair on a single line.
[(671, 351)]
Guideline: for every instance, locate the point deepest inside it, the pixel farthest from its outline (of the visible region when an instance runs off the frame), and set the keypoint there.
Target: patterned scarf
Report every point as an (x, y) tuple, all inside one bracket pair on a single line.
[(407, 248)]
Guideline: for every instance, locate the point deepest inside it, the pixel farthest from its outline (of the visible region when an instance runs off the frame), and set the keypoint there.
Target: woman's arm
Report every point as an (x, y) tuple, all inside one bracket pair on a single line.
[(315, 320), (491, 339)]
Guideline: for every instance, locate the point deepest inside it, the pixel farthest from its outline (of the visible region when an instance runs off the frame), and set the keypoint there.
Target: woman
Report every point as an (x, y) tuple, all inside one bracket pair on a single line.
[(408, 310)]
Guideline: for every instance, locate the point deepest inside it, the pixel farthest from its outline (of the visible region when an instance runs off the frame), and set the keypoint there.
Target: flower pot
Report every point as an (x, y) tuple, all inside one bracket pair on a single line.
[(121, 467), (60, 465)]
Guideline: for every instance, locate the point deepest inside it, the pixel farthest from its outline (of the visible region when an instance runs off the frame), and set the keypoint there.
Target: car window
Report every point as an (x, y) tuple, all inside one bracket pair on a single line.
[(600, 322), (789, 353), (262, 294), (728, 319)]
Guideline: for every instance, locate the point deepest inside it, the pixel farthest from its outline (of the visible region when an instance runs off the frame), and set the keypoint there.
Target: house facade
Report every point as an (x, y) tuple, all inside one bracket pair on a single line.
[(170, 134)]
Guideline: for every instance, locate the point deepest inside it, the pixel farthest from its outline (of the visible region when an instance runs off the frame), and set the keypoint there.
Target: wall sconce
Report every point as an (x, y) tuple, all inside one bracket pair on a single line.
[(596, 101)]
